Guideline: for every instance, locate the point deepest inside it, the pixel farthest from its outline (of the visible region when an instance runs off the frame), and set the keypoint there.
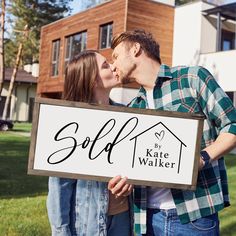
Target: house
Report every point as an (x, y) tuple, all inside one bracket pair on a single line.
[(205, 35), (93, 29), (22, 99), (210, 41)]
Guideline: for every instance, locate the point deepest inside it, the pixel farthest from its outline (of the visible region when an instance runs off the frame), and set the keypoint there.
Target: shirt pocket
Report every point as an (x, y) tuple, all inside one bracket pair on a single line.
[(189, 106)]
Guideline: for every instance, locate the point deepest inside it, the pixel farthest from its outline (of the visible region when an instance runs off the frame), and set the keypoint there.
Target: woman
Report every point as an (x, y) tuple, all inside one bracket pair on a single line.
[(84, 207)]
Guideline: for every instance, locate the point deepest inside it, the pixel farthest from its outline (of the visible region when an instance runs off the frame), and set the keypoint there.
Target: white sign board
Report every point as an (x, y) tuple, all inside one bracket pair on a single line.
[(77, 140)]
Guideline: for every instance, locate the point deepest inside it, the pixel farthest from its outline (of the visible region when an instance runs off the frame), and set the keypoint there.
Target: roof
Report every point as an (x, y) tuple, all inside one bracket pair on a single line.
[(21, 76), (227, 11), (159, 123)]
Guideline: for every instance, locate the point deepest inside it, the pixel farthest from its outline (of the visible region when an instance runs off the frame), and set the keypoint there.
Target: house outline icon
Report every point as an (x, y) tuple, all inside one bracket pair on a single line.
[(159, 123)]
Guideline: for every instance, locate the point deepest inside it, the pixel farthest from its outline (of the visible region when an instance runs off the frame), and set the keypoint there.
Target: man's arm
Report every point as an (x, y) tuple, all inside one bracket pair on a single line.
[(220, 114), (222, 145)]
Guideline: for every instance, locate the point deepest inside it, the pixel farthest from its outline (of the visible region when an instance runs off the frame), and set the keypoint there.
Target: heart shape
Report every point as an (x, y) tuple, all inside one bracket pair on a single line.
[(160, 135)]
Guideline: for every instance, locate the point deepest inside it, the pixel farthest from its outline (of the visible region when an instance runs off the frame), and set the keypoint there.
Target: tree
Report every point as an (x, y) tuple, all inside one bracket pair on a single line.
[(35, 13), (3, 5), (180, 2), (11, 52), (29, 17), (14, 73)]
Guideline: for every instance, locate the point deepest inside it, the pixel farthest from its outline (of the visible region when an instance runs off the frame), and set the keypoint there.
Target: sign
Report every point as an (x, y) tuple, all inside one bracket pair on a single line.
[(88, 141)]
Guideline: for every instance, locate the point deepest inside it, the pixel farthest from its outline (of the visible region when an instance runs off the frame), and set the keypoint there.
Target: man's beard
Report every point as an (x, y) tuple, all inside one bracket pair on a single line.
[(127, 78)]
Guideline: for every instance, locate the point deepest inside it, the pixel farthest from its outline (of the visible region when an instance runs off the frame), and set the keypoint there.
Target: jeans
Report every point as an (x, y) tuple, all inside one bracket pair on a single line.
[(167, 223), (77, 207), (119, 225)]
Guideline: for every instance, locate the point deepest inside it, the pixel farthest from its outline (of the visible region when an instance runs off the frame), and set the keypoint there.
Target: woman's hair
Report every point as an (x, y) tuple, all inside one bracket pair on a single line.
[(80, 77)]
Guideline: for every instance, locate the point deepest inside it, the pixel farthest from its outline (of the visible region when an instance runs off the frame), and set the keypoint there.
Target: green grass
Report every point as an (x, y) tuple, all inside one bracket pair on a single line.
[(22, 127), (23, 197), (24, 216), (228, 215)]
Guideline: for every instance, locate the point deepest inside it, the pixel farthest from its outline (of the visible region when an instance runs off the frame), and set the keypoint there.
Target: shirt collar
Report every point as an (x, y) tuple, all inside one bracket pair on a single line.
[(164, 73)]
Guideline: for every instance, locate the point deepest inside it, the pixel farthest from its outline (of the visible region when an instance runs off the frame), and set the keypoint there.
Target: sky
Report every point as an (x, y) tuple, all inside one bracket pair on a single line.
[(229, 1), (75, 5)]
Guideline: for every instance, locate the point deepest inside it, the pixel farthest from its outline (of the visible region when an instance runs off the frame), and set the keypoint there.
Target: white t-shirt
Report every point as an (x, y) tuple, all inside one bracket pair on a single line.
[(160, 198)]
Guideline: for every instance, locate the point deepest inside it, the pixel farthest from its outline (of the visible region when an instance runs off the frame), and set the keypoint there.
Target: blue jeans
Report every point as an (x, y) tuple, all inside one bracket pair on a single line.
[(167, 223), (119, 225)]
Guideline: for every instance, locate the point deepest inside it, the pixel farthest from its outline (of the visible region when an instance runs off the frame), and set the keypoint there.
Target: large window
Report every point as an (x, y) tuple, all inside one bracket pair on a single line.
[(105, 35), (75, 44), (228, 40), (55, 57), (223, 20)]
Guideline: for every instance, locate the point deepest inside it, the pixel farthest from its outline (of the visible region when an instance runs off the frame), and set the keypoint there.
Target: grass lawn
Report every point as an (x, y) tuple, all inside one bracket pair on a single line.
[(22, 127), (228, 215), (23, 197)]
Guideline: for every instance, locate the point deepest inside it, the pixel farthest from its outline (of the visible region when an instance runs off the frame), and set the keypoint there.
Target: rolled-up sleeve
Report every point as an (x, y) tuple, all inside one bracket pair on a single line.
[(215, 103)]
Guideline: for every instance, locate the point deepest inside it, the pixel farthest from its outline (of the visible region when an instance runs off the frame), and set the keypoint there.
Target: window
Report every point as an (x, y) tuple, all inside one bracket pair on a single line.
[(105, 35), (228, 39), (55, 56), (223, 19), (75, 44)]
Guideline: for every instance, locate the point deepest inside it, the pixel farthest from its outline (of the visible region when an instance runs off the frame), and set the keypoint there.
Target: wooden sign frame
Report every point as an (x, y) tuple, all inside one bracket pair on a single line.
[(39, 132)]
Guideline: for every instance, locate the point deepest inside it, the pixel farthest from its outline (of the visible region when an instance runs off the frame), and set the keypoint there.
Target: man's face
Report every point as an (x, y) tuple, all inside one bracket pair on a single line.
[(123, 62)]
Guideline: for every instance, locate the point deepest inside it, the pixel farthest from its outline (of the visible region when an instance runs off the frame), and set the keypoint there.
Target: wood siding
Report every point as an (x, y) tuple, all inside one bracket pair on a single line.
[(90, 21), (156, 18), (125, 14)]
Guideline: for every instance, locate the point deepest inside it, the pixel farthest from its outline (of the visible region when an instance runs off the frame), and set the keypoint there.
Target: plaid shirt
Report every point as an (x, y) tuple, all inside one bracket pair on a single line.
[(192, 89)]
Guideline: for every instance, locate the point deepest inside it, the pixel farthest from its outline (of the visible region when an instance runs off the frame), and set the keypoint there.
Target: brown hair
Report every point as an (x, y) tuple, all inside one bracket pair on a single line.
[(80, 76), (146, 40)]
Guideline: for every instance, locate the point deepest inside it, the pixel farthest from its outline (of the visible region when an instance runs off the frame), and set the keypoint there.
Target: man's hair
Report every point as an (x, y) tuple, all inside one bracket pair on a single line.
[(149, 45)]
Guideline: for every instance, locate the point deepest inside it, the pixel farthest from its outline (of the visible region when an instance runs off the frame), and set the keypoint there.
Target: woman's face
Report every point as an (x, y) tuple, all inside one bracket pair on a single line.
[(107, 79)]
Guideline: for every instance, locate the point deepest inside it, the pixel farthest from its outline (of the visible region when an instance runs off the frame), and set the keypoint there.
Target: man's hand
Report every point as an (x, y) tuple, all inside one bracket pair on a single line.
[(119, 187)]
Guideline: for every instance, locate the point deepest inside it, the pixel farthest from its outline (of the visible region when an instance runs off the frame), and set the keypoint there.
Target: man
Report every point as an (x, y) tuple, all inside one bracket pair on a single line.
[(136, 57)]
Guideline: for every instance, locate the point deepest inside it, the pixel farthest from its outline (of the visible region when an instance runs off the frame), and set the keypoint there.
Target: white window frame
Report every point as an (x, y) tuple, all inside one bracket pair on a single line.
[(55, 61), (69, 39), (108, 39)]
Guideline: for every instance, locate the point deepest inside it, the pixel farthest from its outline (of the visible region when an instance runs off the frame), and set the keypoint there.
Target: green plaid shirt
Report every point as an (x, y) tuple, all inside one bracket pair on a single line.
[(192, 89)]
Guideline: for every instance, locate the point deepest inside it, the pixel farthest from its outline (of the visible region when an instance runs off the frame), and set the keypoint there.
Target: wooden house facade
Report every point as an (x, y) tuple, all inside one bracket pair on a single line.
[(93, 29)]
